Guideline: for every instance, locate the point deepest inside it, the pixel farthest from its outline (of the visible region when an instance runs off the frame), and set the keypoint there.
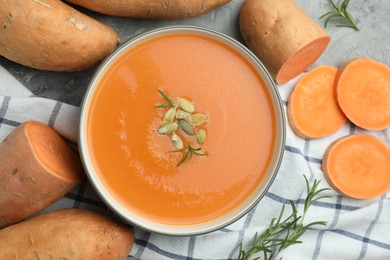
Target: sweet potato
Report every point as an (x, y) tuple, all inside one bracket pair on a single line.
[(161, 10), (312, 109), (50, 35), (282, 36), (363, 92), (67, 234), (358, 166), (37, 167)]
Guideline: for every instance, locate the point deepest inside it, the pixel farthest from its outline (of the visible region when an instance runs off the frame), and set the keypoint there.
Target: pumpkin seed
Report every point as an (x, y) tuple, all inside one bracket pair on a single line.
[(200, 136), (186, 105), (181, 114), (186, 127), (169, 116), (197, 119), (167, 128), (177, 142)]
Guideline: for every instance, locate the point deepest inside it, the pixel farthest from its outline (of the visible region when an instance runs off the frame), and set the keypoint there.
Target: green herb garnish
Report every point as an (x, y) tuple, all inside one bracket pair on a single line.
[(170, 102), (340, 15), (282, 233), (190, 151)]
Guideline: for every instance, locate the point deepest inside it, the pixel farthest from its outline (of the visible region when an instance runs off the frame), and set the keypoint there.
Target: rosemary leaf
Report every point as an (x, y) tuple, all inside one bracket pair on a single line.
[(184, 157), (178, 150), (166, 97), (164, 106), (198, 153)]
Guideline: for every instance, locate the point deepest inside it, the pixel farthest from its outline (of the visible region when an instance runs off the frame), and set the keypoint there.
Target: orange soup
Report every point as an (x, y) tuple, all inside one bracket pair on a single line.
[(134, 162)]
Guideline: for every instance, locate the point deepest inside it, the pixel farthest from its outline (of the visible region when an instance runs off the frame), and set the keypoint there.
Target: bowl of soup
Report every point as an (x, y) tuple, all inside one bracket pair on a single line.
[(182, 131)]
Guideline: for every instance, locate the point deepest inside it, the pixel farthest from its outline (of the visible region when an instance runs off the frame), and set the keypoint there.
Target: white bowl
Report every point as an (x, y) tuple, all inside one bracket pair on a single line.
[(226, 219)]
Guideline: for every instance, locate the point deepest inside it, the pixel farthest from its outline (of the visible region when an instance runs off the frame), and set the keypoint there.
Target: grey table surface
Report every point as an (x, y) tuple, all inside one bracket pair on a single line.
[(373, 41)]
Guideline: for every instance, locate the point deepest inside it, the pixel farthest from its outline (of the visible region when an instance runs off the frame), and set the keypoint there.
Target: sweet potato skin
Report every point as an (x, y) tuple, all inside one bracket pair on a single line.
[(161, 10), (26, 184), (50, 35), (276, 30), (67, 234)]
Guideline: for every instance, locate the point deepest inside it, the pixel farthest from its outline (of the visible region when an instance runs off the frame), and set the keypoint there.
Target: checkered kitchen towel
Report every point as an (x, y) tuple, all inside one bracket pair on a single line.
[(357, 229)]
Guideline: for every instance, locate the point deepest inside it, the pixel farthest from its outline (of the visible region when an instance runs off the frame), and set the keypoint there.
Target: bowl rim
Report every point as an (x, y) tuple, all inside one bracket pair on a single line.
[(167, 229)]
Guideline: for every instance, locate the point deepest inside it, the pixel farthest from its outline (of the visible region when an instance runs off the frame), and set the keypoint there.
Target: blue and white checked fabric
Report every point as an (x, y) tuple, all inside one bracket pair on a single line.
[(357, 229), (18, 105)]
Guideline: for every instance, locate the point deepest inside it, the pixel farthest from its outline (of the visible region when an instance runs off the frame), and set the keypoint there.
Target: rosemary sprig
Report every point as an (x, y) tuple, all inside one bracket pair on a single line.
[(190, 151), (340, 15), (170, 102), (282, 233)]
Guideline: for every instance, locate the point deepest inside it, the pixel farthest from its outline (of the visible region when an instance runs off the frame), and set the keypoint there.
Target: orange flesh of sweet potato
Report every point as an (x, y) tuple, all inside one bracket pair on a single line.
[(363, 92), (282, 36), (37, 167), (358, 166), (50, 35), (67, 234), (312, 109), (161, 10)]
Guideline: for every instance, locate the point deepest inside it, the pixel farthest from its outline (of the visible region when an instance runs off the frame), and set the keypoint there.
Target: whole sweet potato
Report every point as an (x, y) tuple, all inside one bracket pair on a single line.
[(162, 10), (50, 35), (67, 234), (37, 168)]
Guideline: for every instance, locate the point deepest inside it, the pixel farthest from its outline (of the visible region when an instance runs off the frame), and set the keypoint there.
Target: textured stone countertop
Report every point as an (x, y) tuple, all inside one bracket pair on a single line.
[(373, 41)]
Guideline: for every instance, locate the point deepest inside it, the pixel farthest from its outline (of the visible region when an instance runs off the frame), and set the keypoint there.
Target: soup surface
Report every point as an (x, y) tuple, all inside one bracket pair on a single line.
[(134, 162)]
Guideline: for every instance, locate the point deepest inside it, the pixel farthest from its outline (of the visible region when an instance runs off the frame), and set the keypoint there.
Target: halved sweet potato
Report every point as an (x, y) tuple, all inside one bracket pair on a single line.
[(37, 168)]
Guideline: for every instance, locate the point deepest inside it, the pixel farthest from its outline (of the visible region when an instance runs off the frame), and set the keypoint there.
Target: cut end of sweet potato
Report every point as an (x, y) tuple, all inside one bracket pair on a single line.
[(282, 36), (363, 92), (358, 166), (54, 153), (312, 109), (302, 59)]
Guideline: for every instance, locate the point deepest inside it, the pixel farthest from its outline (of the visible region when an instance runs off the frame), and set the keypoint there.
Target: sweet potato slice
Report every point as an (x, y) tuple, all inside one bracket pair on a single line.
[(50, 35), (161, 10), (312, 109), (67, 234), (282, 36), (363, 92), (358, 166), (37, 167)]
